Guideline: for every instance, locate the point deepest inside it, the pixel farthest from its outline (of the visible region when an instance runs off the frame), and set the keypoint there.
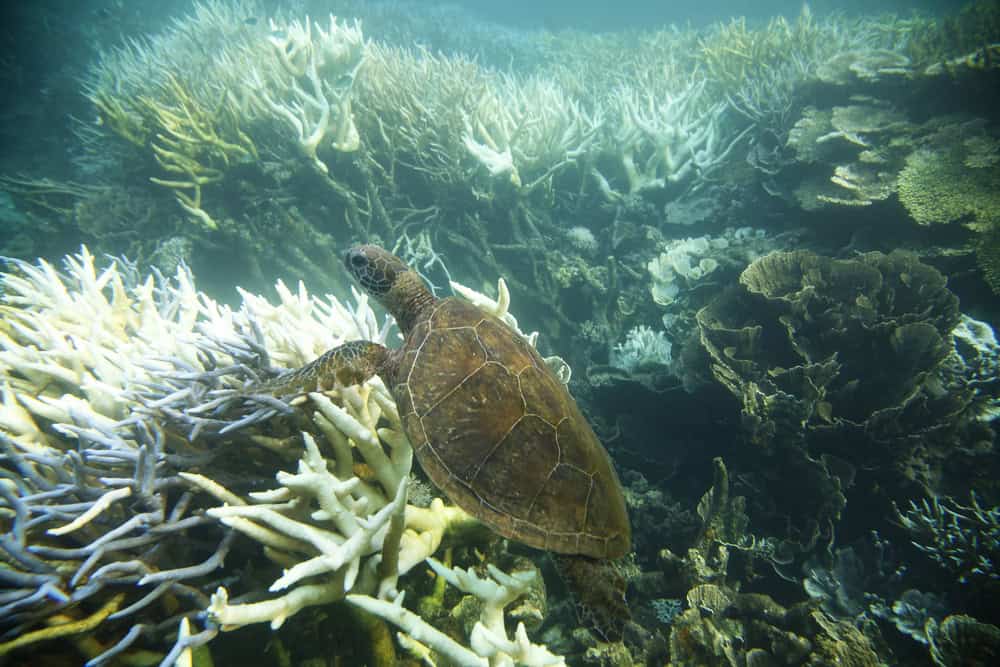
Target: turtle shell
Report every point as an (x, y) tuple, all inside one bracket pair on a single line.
[(498, 433)]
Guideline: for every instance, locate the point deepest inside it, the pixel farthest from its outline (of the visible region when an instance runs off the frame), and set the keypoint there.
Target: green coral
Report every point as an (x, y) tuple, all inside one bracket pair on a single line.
[(978, 23), (988, 256), (937, 186), (962, 640)]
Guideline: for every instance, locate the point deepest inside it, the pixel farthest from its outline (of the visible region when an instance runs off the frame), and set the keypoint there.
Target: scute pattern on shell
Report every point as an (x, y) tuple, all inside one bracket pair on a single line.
[(496, 430)]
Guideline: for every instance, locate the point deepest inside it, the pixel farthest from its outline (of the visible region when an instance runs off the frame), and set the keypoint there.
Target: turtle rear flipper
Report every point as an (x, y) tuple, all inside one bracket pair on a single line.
[(348, 364), (598, 587)]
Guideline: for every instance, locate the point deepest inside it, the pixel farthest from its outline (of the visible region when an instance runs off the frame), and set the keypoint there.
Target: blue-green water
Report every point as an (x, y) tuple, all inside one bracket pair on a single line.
[(765, 241)]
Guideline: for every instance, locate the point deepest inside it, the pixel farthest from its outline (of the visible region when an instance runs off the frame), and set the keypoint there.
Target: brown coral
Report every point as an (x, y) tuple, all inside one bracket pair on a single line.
[(814, 341), (838, 361), (963, 641)]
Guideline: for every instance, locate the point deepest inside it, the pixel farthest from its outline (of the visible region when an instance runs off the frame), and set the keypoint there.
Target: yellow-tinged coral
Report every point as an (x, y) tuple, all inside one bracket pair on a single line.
[(951, 37), (194, 143), (115, 113), (988, 256), (61, 626), (735, 52), (936, 187)]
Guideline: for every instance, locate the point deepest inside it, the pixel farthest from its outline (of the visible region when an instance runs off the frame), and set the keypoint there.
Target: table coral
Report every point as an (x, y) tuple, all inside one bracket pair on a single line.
[(937, 186)]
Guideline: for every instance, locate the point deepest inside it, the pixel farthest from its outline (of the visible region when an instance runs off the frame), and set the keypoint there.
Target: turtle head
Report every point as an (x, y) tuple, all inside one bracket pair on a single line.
[(375, 269), (388, 279)]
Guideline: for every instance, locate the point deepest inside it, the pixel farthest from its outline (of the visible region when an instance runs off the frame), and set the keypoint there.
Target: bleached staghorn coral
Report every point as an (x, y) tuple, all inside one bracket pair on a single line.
[(528, 126), (310, 82), (490, 645), (197, 126), (664, 140), (410, 104), (359, 542), (88, 491), (194, 126), (214, 36), (440, 114), (96, 367)]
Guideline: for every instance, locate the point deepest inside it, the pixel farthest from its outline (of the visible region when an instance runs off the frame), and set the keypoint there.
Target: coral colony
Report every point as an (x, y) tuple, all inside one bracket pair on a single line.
[(769, 252), (103, 499)]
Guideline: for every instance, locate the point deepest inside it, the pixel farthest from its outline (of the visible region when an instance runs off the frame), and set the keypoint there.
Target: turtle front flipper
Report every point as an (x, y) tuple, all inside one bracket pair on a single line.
[(348, 364)]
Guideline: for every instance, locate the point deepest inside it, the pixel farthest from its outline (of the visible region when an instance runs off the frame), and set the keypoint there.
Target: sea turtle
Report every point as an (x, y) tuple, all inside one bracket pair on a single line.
[(492, 427)]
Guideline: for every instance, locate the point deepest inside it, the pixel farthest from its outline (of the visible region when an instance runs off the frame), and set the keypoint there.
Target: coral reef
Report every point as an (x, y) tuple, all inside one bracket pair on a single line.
[(962, 640), (642, 347), (963, 539), (706, 633), (952, 181), (112, 445), (855, 152), (797, 343), (686, 262), (821, 318), (594, 171)]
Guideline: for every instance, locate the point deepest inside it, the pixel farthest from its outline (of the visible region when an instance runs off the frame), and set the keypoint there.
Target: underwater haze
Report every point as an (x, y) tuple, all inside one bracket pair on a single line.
[(350, 333), (604, 16)]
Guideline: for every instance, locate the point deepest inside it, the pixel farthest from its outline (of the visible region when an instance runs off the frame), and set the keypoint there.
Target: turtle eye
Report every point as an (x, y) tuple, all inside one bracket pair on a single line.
[(356, 259)]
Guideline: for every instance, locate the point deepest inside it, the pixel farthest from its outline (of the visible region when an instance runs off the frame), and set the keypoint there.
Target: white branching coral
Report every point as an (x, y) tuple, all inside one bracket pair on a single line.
[(643, 346), (528, 129), (663, 140), (490, 644), (334, 532), (111, 388), (309, 84)]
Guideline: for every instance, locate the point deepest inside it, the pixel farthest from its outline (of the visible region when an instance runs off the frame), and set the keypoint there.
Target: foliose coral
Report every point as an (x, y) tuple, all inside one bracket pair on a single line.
[(839, 588), (684, 263), (962, 640), (838, 366), (794, 341), (863, 65), (854, 153), (914, 613)]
